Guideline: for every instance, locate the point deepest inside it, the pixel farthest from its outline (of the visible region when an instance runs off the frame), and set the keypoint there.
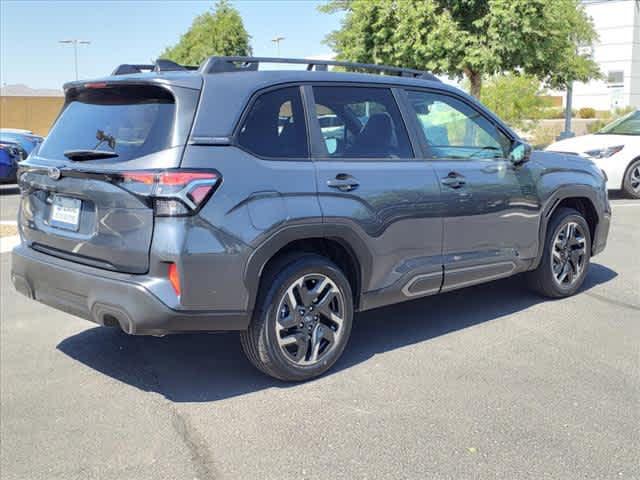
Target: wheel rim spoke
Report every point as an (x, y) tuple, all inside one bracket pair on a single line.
[(310, 318), (310, 296), (568, 253), (635, 179), (303, 347)]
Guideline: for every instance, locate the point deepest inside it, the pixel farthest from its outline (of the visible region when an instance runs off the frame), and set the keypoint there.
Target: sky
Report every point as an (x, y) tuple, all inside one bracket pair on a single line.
[(137, 31)]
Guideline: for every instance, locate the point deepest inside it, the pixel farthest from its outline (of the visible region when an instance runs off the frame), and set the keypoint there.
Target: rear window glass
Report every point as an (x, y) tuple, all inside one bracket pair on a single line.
[(275, 125), (130, 121), (359, 122)]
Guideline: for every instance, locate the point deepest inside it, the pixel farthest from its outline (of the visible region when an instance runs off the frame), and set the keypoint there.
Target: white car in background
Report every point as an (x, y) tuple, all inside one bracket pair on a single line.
[(615, 149)]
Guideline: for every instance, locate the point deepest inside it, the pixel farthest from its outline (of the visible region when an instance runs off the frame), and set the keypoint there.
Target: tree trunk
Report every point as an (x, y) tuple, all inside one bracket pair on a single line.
[(475, 79)]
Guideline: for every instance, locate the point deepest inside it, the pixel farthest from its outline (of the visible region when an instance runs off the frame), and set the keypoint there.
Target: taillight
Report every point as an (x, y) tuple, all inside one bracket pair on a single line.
[(95, 85), (172, 192), (174, 278)]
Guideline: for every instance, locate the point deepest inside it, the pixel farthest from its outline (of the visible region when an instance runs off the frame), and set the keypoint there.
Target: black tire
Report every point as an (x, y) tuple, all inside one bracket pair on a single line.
[(543, 279), (260, 342), (630, 179)]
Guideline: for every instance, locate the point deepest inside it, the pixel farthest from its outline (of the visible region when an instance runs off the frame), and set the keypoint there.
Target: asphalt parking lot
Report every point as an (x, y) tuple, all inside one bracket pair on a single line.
[(487, 382)]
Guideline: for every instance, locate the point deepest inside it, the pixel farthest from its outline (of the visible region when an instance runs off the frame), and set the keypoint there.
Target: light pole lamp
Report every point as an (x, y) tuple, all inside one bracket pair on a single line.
[(277, 41), (75, 42)]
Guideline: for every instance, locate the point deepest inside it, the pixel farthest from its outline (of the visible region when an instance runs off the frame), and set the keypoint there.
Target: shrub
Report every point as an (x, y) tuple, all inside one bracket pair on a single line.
[(515, 98), (587, 112), (544, 136), (597, 125), (554, 112)]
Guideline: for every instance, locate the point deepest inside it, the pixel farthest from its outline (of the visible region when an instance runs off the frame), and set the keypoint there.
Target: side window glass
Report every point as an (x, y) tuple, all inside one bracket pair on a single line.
[(359, 122), (275, 126), (455, 130)]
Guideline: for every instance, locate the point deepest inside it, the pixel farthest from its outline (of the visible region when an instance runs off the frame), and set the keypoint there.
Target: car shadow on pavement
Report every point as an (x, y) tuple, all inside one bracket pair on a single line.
[(204, 368)]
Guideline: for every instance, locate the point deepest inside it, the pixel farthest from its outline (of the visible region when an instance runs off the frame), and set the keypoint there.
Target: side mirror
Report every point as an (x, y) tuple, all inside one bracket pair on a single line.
[(520, 152)]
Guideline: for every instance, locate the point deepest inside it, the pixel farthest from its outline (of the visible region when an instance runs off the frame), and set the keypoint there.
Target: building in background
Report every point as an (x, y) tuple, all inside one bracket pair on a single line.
[(617, 52), (29, 109)]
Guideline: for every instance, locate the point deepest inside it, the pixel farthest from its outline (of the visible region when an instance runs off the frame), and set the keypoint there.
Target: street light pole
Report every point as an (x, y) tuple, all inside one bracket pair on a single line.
[(277, 41), (75, 42), (568, 113)]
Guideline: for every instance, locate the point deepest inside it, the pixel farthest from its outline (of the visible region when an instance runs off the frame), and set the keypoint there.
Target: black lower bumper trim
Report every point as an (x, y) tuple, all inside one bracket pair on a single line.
[(108, 301)]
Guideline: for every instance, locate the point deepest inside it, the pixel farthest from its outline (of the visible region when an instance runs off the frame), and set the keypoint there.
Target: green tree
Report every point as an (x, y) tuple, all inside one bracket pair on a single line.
[(515, 99), (468, 38), (216, 32)]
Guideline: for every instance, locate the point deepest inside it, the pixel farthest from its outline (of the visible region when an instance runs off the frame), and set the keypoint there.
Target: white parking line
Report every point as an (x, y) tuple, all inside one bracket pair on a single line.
[(625, 204), (8, 222)]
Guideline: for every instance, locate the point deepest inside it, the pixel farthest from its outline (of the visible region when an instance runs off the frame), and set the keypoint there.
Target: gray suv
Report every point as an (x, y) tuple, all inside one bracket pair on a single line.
[(278, 203)]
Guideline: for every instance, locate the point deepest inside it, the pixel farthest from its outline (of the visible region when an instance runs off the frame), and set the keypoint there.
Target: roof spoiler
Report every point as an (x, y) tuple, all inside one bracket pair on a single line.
[(217, 64)]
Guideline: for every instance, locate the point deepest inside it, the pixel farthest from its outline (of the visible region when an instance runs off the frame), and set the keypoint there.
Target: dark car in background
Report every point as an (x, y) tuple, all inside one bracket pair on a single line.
[(15, 146), (278, 203)]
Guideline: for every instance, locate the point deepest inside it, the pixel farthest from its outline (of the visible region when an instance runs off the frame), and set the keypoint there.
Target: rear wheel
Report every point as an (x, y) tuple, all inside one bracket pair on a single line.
[(566, 256), (302, 320), (631, 182)]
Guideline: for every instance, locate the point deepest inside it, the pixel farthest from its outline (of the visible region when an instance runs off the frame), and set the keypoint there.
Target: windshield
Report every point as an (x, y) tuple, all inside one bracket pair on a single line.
[(627, 125), (129, 121)]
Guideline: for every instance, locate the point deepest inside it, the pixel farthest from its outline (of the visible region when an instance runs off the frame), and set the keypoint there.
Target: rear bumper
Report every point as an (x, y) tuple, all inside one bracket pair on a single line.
[(93, 295)]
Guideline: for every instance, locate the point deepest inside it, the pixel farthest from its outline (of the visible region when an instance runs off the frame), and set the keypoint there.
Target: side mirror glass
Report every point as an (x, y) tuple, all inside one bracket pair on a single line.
[(520, 152)]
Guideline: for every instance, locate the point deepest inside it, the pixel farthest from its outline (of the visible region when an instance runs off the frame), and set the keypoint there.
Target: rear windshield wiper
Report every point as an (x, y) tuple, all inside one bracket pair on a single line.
[(82, 155)]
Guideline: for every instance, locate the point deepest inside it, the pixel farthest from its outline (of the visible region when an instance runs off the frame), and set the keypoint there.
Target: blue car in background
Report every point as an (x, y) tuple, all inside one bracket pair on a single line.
[(15, 146)]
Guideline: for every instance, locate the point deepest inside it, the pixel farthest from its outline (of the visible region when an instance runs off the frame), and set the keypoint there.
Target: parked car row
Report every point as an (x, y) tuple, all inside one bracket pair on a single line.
[(15, 146)]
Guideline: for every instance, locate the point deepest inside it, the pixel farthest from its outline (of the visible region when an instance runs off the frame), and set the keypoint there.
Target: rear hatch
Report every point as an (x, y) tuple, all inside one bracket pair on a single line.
[(78, 200)]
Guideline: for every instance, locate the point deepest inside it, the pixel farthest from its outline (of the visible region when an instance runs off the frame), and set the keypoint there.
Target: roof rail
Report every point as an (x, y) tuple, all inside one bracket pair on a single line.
[(244, 64), (161, 65)]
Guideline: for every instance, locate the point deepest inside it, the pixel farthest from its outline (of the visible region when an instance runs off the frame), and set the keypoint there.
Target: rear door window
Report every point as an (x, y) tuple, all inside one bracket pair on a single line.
[(131, 121), (361, 122), (275, 126)]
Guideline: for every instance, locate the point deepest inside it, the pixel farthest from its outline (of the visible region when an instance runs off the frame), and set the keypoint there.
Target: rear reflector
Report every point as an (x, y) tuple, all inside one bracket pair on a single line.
[(174, 278)]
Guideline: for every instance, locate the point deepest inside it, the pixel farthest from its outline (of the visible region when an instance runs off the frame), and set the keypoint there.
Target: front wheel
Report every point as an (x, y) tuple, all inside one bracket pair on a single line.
[(566, 255), (631, 182), (302, 320)]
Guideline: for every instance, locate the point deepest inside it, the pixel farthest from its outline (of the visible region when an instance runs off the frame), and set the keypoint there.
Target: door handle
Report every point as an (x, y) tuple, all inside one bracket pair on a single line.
[(454, 180), (343, 182)]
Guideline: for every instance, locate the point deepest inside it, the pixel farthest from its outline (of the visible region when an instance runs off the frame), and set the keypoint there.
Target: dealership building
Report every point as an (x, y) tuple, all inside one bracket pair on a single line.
[(617, 52)]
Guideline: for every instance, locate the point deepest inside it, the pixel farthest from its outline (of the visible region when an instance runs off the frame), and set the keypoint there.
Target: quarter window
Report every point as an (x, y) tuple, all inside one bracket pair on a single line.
[(358, 122), (455, 130), (275, 126)]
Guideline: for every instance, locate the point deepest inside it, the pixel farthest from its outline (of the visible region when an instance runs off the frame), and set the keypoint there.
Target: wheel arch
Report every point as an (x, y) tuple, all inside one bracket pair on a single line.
[(339, 243), (581, 198), (627, 169)]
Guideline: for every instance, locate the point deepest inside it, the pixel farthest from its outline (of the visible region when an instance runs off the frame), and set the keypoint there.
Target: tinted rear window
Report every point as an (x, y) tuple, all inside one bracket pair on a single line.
[(275, 125), (139, 119)]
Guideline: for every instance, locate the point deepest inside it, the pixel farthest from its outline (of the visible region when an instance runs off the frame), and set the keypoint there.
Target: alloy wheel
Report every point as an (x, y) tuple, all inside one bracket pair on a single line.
[(568, 254), (634, 178), (310, 318)]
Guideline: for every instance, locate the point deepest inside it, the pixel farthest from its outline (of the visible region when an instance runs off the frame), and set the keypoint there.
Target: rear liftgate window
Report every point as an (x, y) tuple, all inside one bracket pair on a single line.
[(130, 121)]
